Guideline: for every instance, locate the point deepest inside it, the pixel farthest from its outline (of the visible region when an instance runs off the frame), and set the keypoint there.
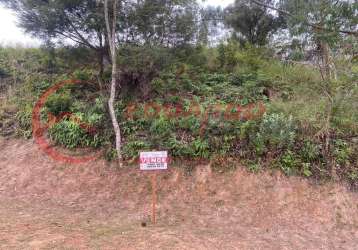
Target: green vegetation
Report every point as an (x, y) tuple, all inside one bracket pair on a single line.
[(232, 100)]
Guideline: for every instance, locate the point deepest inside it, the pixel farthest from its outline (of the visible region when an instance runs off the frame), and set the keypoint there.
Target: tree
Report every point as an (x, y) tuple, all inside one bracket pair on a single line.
[(78, 21), (250, 22), (325, 22), (153, 22), (160, 22), (211, 26), (111, 35)]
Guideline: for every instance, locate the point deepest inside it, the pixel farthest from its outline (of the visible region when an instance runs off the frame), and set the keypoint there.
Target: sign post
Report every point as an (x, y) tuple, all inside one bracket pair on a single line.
[(154, 196), (153, 161)]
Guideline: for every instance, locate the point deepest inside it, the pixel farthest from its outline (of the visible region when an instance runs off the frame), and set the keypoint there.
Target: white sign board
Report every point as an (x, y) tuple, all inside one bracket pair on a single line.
[(153, 160)]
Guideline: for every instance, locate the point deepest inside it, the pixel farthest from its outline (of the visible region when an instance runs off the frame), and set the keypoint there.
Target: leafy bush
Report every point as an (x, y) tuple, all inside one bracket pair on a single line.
[(161, 126), (214, 79), (221, 144), (341, 152), (227, 55), (58, 103), (84, 74), (71, 134), (310, 152), (235, 57), (254, 166), (306, 169), (131, 149), (24, 121), (190, 123), (110, 154), (200, 148), (289, 163), (38, 86), (276, 132), (179, 148), (67, 133)]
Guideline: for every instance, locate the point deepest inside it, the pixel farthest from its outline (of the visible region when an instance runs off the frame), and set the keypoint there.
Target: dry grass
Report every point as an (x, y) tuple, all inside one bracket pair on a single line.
[(48, 205)]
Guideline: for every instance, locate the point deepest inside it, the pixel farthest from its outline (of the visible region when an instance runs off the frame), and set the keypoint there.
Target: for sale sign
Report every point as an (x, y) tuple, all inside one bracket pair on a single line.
[(153, 160)]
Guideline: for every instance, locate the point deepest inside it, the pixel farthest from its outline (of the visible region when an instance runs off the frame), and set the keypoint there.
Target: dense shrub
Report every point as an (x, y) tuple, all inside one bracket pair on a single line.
[(67, 133), (59, 103), (276, 132), (24, 121), (179, 148), (131, 148), (341, 152), (289, 163), (161, 126), (70, 134), (310, 152)]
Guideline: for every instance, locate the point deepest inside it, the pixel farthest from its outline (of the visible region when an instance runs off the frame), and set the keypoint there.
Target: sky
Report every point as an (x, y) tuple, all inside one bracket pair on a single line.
[(12, 35)]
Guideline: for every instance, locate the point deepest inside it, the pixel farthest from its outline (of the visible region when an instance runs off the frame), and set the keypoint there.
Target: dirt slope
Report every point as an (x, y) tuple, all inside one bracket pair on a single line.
[(49, 205)]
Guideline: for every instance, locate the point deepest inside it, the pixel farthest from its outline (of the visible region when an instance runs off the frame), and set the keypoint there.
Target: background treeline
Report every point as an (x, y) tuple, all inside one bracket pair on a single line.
[(297, 57)]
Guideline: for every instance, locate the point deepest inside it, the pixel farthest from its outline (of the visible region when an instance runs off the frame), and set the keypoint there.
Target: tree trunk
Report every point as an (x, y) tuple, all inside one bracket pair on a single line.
[(101, 70), (325, 60), (111, 33), (328, 143)]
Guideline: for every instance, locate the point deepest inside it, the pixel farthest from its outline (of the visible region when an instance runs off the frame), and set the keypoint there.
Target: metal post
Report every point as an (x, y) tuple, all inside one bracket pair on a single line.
[(154, 196)]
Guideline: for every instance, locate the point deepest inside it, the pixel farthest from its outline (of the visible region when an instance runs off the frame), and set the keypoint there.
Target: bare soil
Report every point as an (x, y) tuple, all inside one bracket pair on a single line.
[(50, 205)]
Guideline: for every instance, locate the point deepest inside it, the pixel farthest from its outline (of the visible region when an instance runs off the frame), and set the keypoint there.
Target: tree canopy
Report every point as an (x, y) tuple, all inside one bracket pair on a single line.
[(161, 22), (250, 22)]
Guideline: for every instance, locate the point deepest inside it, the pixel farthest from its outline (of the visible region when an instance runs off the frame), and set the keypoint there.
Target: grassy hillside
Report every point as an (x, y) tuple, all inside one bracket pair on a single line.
[(220, 104)]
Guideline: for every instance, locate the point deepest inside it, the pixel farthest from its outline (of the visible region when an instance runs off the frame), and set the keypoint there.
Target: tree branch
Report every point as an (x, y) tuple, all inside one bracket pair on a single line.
[(71, 38), (79, 35), (349, 32)]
